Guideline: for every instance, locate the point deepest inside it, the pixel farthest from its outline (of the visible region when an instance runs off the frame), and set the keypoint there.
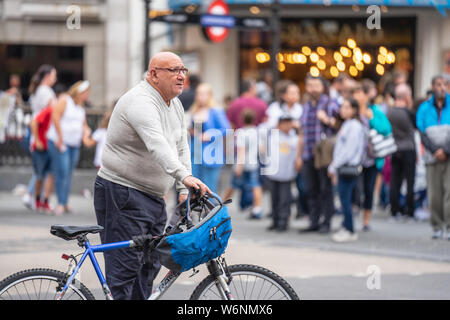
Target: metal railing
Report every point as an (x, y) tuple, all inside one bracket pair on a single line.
[(14, 149)]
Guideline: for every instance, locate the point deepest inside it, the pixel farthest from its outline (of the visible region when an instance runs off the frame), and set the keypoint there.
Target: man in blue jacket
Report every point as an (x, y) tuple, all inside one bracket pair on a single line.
[(433, 122)]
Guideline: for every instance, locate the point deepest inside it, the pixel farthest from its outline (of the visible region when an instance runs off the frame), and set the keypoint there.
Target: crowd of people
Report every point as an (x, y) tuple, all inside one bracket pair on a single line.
[(348, 139), (54, 136)]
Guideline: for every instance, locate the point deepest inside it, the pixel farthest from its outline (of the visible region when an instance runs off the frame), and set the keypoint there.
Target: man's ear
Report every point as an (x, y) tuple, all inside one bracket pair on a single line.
[(152, 76)]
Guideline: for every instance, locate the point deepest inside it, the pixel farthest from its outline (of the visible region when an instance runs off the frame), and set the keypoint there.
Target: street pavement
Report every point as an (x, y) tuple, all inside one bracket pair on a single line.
[(395, 260)]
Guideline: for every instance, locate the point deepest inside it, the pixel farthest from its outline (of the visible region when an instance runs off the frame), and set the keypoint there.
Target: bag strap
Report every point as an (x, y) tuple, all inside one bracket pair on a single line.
[(189, 223), (323, 133)]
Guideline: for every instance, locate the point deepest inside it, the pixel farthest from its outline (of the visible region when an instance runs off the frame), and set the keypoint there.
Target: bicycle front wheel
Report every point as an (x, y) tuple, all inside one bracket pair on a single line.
[(40, 284), (249, 282)]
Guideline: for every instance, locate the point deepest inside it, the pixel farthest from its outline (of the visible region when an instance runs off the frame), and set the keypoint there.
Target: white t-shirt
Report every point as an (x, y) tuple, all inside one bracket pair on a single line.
[(247, 137), (274, 111), (99, 135), (41, 98), (282, 154), (72, 122)]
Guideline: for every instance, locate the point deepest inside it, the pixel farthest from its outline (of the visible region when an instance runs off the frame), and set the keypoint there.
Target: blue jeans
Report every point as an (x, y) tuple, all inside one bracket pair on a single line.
[(249, 178), (345, 189), (63, 164), (208, 175), (41, 163)]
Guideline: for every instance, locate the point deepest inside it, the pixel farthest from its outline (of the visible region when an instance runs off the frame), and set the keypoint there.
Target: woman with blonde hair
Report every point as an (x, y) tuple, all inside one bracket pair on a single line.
[(208, 123), (65, 137)]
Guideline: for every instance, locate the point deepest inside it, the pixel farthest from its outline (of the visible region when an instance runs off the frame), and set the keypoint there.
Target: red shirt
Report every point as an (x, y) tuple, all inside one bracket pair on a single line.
[(43, 119), (234, 112)]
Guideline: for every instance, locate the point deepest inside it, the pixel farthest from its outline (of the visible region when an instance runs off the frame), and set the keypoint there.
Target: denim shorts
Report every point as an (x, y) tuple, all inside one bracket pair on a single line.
[(248, 178), (41, 163)]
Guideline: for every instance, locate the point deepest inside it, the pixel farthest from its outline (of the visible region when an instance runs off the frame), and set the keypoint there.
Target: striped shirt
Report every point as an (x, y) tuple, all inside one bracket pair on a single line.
[(312, 127)]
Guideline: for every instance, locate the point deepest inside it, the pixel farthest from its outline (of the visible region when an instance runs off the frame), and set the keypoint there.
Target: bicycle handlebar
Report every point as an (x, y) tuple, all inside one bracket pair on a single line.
[(197, 194)]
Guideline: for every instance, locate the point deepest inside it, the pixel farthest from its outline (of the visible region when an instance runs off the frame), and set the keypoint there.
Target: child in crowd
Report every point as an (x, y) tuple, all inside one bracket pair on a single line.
[(281, 171), (98, 138), (347, 153), (41, 157), (246, 168)]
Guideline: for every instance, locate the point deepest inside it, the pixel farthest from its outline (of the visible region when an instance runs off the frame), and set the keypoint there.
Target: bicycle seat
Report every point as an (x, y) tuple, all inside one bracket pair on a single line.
[(72, 232)]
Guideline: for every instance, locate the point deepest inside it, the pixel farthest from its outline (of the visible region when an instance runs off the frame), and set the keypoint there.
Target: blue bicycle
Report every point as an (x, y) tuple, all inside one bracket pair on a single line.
[(242, 282)]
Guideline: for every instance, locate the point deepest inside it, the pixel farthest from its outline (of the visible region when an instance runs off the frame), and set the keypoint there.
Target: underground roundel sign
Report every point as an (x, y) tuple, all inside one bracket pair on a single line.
[(217, 34)]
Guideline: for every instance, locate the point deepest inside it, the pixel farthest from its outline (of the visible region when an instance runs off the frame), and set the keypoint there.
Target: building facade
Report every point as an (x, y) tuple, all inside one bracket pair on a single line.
[(416, 35), (97, 40), (106, 44)]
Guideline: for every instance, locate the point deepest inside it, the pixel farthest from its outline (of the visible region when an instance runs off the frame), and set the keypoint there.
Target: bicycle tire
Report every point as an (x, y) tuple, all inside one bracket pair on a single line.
[(250, 271), (28, 281)]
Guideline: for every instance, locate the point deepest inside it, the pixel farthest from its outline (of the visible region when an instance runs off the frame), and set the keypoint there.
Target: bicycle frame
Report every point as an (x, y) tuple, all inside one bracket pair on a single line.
[(214, 267), (90, 251), (157, 293)]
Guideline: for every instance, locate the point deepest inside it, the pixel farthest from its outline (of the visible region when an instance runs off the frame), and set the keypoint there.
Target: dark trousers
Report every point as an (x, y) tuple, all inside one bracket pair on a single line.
[(126, 212), (346, 187), (302, 203), (365, 187), (281, 199), (403, 167), (369, 177), (319, 191)]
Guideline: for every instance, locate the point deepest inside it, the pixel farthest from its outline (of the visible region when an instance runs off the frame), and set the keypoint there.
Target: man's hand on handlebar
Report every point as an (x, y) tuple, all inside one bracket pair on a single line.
[(197, 184)]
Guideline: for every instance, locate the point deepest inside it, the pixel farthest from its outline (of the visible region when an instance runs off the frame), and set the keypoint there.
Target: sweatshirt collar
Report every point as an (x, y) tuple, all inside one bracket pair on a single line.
[(154, 92)]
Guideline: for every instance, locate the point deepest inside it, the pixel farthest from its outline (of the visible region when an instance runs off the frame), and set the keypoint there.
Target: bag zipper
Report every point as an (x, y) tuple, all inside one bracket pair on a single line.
[(213, 230), (225, 232), (229, 218)]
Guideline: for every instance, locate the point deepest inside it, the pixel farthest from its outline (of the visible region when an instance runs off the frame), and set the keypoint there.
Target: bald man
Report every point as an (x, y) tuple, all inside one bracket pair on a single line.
[(404, 160), (146, 152)]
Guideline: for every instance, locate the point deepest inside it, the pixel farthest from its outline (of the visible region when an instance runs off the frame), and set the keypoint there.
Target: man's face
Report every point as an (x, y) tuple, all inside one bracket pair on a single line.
[(347, 87), (314, 88), (169, 78), (439, 88)]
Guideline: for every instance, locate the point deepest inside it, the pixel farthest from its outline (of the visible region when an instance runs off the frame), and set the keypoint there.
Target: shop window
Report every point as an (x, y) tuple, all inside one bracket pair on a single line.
[(14, 51), (70, 53), (331, 46)]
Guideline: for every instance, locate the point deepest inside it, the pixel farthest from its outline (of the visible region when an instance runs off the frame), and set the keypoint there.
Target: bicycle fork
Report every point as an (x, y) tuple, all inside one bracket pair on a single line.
[(218, 270)]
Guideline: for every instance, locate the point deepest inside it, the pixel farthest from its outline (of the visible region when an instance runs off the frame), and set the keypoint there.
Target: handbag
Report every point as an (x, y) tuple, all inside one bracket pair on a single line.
[(350, 171), (382, 146), (323, 152)]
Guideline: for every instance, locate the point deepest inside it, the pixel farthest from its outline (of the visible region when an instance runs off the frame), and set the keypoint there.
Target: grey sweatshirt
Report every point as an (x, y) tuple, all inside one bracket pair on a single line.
[(349, 147), (146, 143)]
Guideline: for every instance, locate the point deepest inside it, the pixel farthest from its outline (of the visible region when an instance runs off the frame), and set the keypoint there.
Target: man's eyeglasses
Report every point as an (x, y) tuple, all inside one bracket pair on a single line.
[(176, 71)]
